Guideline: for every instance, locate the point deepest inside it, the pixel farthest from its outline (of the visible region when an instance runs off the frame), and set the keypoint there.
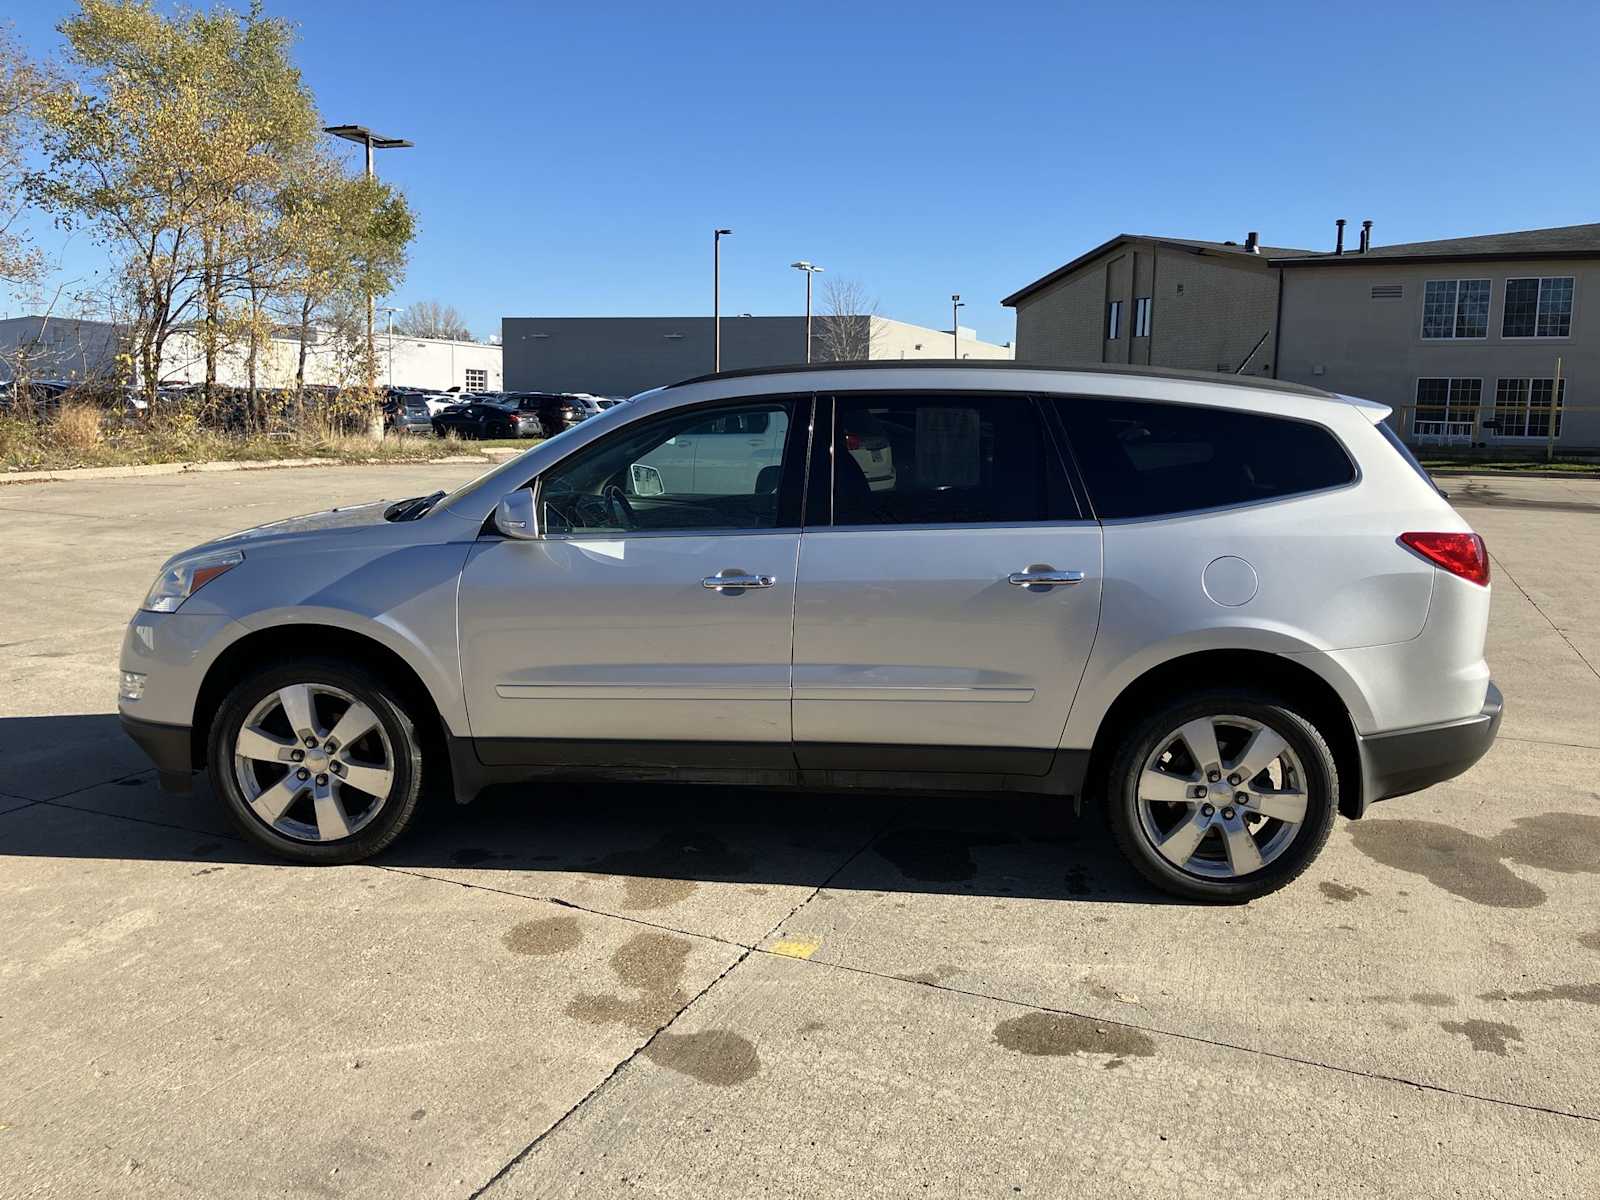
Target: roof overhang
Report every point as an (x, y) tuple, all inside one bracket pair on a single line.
[(1241, 255)]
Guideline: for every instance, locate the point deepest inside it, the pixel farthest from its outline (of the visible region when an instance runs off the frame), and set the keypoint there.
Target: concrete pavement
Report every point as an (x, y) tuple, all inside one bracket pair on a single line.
[(707, 992)]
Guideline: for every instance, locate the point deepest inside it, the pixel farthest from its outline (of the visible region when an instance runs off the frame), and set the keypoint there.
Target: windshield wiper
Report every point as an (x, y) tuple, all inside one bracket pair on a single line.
[(410, 510)]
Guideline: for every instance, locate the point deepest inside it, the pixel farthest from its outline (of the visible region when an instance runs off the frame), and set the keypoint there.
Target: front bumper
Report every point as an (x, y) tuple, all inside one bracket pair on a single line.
[(170, 748), (1395, 764)]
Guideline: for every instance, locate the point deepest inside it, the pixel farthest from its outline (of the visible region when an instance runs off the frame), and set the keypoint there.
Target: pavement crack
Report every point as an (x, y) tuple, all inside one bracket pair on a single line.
[(1275, 1055), (1506, 571)]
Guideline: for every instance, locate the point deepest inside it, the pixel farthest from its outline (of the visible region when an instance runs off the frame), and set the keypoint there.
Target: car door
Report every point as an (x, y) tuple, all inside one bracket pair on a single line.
[(650, 626), (948, 602)]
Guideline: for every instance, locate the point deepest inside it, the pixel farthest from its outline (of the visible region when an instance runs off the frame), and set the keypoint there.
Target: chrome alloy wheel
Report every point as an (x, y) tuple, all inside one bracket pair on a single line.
[(313, 763), (1221, 796)]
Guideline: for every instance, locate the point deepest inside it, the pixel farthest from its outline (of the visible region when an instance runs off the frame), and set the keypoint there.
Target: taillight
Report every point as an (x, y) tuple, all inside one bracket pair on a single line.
[(852, 442), (1462, 554)]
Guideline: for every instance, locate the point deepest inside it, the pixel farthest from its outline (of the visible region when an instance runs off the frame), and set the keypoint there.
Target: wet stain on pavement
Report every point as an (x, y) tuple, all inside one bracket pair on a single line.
[(1433, 999), (1590, 941), (1344, 892), (1578, 993), (715, 1056), (936, 976), (1487, 1037), (419, 1114), (935, 855), (1564, 842), (811, 1027), (548, 935), (1457, 861), (649, 964), (662, 873), (1058, 1034)]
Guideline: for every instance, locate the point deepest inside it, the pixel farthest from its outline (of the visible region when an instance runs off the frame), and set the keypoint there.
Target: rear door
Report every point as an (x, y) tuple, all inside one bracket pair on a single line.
[(949, 587)]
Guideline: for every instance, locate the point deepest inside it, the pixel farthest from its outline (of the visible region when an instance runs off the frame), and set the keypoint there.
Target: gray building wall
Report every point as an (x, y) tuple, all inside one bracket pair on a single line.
[(1207, 311), (618, 356), (1336, 335)]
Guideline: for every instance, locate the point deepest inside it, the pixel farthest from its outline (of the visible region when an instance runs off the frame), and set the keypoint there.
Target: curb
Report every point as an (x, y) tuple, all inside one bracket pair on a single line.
[(69, 474), (1460, 471)]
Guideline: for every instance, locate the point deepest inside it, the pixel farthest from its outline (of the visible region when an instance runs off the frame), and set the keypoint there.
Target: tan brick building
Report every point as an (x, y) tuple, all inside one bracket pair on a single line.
[(1153, 301)]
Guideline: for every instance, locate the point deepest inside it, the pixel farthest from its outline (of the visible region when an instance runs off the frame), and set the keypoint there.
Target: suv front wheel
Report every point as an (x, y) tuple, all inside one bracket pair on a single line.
[(317, 760), (1224, 795)]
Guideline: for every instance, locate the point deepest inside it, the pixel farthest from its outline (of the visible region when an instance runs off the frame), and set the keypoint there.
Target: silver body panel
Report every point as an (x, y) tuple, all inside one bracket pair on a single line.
[(878, 637)]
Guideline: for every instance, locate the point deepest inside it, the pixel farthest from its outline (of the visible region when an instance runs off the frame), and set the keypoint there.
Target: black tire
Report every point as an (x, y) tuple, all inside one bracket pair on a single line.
[(404, 747), (1149, 734)]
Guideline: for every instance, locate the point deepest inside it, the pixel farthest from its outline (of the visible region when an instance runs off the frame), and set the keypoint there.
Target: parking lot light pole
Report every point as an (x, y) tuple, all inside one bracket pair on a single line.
[(810, 269), (716, 297), (390, 310), (956, 306), (363, 136)]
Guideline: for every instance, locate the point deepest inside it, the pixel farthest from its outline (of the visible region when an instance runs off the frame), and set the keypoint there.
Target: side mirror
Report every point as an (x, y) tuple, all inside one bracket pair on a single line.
[(514, 515)]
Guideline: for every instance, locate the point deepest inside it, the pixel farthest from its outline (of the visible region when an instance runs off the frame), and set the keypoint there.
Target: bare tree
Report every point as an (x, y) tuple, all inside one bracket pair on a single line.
[(844, 332), (21, 85), (433, 319)]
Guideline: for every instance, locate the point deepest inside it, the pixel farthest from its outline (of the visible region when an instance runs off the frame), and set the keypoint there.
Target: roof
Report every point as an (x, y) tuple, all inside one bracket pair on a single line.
[(1561, 241), (1191, 245), (941, 364)]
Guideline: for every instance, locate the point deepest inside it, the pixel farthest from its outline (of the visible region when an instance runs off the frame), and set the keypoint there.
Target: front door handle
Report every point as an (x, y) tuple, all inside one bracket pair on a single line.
[(1043, 577), (732, 579)]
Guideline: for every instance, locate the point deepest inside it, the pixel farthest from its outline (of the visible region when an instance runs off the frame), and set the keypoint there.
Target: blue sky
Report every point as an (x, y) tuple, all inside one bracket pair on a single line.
[(572, 159)]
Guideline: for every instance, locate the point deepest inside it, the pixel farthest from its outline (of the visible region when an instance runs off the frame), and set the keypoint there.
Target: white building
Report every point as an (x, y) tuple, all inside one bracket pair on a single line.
[(69, 349)]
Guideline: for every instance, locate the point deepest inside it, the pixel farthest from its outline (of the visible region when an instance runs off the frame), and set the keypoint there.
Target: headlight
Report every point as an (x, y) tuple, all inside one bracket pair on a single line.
[(184, 578)]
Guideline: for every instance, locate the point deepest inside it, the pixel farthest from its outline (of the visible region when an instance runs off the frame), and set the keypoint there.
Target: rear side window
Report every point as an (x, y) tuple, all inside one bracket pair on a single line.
[(945, 460), (1142, 459)]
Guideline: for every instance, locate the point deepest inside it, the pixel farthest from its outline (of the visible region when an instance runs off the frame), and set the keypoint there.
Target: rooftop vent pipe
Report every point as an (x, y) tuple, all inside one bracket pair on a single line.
[(1338, 245), (1366, 236), (1252, 242)]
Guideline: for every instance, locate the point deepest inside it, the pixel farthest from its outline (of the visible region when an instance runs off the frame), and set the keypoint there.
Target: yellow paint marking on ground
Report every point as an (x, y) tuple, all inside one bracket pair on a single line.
[(795, 948)]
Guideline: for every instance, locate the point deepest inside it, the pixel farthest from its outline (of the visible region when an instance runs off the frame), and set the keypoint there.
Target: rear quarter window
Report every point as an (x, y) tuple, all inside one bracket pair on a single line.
[(1143, 459)]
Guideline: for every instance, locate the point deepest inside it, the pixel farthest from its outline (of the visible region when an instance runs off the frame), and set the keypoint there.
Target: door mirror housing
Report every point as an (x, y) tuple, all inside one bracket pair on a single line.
[(514, 516)]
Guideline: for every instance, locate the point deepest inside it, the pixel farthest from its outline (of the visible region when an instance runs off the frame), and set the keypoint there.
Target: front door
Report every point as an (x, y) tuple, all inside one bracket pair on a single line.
[(949, 595), (656, 609)]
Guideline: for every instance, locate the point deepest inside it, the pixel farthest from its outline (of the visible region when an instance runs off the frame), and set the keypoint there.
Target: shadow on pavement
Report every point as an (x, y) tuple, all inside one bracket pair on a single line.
[(994, 845)]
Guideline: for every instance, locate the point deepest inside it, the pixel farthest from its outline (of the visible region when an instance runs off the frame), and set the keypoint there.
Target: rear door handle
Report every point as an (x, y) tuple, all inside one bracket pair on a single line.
[(1042, 577), (732, 580)]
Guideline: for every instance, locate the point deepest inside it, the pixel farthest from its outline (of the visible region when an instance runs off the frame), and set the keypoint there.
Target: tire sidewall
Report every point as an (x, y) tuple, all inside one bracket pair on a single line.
[(1321, 783), (370, 690)]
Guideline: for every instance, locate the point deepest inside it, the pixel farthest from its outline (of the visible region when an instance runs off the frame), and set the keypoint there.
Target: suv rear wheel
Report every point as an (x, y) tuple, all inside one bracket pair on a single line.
[(1223, 795), (317, 760)]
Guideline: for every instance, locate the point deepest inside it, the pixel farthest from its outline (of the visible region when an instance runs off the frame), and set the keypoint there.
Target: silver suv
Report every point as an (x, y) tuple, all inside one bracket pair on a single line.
[(1221, 609)]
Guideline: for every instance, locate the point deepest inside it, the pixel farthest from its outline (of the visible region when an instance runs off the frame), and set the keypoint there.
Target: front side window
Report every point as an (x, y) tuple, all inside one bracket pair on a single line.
[(1142, 459), (1455, 308), (1113, 320), (1538, 307), (1141, 317), (945, 460), (1522, 407), (1446, 407), (694, 470)]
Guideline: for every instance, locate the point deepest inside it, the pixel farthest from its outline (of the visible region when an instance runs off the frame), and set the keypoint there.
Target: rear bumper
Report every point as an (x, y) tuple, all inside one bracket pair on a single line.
[(169, 748), (1394, 764)]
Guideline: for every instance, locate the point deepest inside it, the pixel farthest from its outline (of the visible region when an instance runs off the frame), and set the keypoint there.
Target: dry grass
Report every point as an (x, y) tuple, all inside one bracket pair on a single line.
[(81, 435)]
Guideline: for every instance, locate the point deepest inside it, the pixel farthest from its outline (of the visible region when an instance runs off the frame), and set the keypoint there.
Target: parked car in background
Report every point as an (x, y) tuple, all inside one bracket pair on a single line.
[(556, 410), (478, 420), (408, 413), (1223, 610)]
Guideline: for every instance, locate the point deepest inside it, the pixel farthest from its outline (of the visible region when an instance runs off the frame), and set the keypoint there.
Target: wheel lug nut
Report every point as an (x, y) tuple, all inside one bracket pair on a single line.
[(1235, 779), (1227, 814), (331, 747), (1206, 810), (311, 743), (1213, 775), (1241, 797), (1198, 792), (336, 768), (298, 756), (302, 774), (322, 781)]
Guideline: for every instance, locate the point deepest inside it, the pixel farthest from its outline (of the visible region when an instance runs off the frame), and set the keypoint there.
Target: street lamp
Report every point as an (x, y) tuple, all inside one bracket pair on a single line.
[(391, 311), (810, 269), (956, 305), (363, 136), (716, 297)]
